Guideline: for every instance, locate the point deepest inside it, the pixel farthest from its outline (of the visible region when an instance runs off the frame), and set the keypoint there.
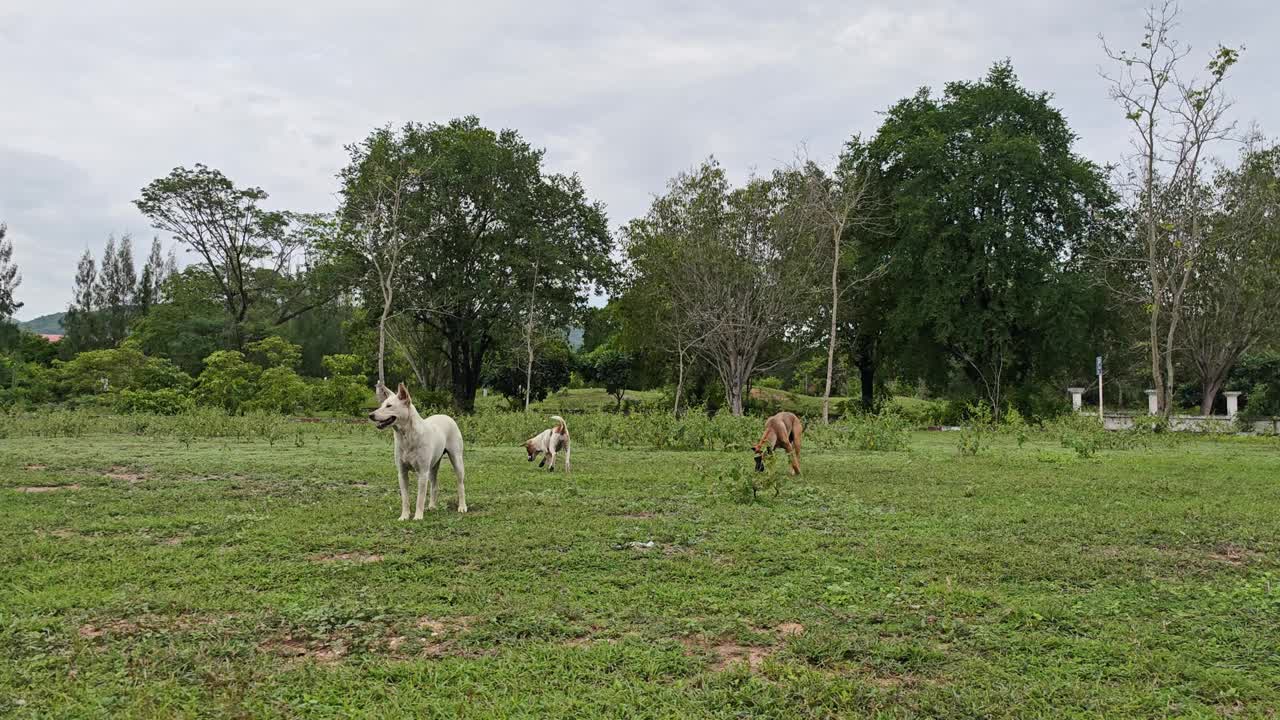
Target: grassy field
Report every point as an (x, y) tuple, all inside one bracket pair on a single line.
[(141, 577)]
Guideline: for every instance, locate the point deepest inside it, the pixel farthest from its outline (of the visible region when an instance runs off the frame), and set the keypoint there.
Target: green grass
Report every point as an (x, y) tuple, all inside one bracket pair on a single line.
[(231, 578)]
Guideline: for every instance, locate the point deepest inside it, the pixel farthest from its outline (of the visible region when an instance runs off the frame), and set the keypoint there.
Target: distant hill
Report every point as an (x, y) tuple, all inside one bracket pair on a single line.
[(50, 324)]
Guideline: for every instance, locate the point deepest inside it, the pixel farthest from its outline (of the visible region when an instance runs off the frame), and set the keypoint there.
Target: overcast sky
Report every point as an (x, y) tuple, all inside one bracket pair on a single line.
[(99, 98)]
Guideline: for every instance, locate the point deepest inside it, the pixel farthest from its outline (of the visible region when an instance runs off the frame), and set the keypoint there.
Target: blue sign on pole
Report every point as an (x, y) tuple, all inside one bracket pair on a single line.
[(1099, 364)]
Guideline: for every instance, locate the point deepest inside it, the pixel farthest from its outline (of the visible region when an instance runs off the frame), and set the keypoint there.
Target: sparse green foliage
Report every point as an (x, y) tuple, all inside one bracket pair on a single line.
[(228, 382), (977, 427), (609, 367)]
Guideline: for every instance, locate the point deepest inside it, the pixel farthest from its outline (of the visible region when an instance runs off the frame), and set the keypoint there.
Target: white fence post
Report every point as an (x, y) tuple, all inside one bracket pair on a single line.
[(1233, 403), (1077, 394), (1153, 403)]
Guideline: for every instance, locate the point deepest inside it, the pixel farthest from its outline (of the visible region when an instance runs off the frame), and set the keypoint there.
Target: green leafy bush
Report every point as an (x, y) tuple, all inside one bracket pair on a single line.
[(1082, 433), (973, 435), (886, 432), (228, 382), (1014, 424), (151, 402), (743, 483), (346, 390), (280, 390)]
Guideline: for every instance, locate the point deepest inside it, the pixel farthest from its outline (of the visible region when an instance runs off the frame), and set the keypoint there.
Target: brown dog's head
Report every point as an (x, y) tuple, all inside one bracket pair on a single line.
[(528, 448), (395, 408), (759, 451)]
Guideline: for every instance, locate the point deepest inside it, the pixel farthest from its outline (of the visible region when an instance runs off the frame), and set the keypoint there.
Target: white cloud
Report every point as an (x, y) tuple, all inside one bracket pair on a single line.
[(100, 98)]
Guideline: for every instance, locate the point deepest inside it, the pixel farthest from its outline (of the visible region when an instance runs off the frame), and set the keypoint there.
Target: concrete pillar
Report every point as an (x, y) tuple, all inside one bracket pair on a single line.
[(1077, 394), (1233, 403), (1153, 403)]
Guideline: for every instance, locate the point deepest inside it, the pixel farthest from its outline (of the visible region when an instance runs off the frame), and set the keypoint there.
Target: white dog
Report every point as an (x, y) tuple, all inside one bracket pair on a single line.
[(550, 441), (419, 446)]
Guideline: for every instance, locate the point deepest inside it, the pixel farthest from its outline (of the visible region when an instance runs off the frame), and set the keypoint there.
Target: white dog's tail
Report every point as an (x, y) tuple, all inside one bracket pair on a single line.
[(561, 425)]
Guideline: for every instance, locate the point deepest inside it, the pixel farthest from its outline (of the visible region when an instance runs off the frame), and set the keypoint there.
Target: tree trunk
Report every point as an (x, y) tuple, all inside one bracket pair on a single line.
[(1211, 389), (1167, 408), (464, 370), (867, 374), (831, 341), (1157, 372), (528, 339), (735, 398), (679, 381), (528, 372), (382, 334)]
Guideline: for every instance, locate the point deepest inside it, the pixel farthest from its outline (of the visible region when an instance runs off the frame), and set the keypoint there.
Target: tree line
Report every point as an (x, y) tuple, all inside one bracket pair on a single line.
[(965, 249)]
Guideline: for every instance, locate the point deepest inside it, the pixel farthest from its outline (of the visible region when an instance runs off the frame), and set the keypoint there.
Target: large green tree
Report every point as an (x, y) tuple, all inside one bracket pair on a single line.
[(257, 258), (507, 239), (992, 211)]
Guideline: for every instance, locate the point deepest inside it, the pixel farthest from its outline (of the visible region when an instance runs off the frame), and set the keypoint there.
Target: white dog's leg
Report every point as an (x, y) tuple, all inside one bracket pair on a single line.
[(568, 450), (551, 455), (403, 473), (455, 459), (433, 484), (423, 479)]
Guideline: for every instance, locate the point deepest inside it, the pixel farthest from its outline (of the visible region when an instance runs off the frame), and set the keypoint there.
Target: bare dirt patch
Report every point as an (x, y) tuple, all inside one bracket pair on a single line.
[(123, 627), (352, 557), (789, 629), (1232, 554), (639, 516), (91, 631), (727, 653), (321, 651), (173, 541), (46, 488), (35, 466), (119, 472), (439, 627)]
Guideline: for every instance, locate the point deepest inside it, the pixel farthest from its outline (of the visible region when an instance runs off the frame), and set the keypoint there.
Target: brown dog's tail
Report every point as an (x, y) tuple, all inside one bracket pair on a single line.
[(561, 426)]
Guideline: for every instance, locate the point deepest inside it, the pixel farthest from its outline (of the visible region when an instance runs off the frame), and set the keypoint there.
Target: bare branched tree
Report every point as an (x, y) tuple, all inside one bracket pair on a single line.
[(746, 279), (835, 205), (376, 231), (1176, 119)]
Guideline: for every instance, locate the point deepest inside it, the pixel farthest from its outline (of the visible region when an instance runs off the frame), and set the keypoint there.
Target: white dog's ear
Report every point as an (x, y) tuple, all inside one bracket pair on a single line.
[(402, 392), (381, 392)]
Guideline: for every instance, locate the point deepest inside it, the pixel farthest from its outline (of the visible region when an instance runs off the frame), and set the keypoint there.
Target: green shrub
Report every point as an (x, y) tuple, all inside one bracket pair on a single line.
[(228, 382), (1014, 424), (280, 390), (98, 372), (151, 402), (346, 390), (743, 483), (973, 435), (772, 383), (886, 432), (1082, 433)]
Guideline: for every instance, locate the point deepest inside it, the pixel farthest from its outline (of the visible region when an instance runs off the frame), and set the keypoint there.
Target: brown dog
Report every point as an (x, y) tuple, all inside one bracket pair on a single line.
[(782, 430)]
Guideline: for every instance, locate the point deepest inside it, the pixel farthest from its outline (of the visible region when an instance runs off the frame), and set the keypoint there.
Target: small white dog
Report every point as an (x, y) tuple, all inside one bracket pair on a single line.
[(550, 441), (420, 443)]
